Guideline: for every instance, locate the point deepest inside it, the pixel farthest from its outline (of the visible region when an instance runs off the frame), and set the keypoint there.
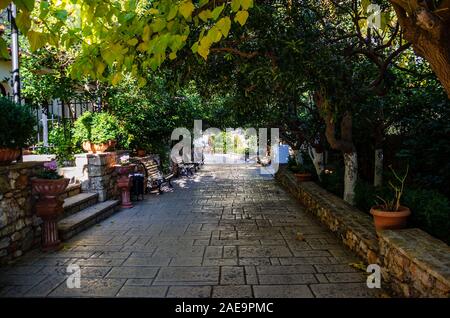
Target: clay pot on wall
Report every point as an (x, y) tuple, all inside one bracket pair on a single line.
[(389, 220), (8, 155), (103, 147), (303, 177)]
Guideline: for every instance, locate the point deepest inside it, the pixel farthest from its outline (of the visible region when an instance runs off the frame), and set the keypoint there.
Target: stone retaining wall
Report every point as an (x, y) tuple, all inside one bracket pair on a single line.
[(96, 173), (19, 227), (413, 263)]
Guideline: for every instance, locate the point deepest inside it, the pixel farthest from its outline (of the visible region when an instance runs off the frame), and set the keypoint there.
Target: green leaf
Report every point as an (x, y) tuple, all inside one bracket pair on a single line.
[(172, 13), (27, 5), (241, 17), (36, 39), (186, 9), (23, 21), (235, 5), (205, 15), (217, 11), (61, 15), (224, 25)]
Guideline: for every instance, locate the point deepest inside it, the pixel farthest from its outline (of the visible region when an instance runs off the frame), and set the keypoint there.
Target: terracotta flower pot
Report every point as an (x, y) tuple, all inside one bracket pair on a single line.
[(302, 177), (94, 148), (8, 155), (49, 188), (386, 220)]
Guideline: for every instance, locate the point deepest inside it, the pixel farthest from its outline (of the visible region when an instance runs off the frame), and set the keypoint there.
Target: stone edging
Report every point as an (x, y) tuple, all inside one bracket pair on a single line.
[(413, 263)]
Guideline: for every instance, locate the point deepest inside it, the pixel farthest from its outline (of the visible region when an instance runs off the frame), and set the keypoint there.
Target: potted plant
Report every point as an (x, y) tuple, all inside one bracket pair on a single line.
[(96, 132), (48, 184), (391, 215), (16, 129), (301, 172)]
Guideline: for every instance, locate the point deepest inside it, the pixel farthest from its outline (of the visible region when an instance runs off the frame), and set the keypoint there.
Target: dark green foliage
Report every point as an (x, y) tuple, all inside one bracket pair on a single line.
[(334, 182), (16, 124), (430, 211), (98, 128), (62, 145)]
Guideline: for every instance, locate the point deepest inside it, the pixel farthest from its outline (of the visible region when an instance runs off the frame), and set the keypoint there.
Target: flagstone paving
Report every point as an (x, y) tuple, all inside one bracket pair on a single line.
[(227, 232)]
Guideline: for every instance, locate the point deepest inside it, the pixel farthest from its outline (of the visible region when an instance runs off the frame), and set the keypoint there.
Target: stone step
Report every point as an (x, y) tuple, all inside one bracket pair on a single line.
[(71, 190), (74, 224), (79, 202)]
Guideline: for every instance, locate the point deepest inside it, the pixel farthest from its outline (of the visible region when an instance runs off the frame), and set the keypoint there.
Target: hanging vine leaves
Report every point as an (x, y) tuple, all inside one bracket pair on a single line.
[(112, 37)]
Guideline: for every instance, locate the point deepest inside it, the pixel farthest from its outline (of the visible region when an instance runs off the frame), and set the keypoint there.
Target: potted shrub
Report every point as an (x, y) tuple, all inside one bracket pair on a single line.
[(48, 184), (97, 132), (16, 129), (391, 215), (301, 172)]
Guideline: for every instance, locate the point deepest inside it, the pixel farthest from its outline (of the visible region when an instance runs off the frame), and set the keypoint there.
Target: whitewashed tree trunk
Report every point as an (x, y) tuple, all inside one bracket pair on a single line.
[(44, 120), (317, 159), (378, 172), (298, 157), (351, 174)]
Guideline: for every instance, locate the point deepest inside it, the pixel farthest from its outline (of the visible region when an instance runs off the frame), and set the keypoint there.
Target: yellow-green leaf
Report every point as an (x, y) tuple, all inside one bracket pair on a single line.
[(173, 56), (116, 79), (217, 11), (132, 42), (23, 21), (172, 13), (36, 39), (186, 9), (246, 4), (224, 25), (235, 4), (205, 15), (241, 17)]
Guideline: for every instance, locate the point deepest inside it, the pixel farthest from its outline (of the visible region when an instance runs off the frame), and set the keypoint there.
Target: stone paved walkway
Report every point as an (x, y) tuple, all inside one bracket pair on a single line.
[(228, 232)]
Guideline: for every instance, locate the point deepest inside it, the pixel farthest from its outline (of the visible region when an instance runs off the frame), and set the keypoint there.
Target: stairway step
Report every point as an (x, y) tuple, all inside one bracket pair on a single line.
[(74, 224), (71, 190), (79, 202)]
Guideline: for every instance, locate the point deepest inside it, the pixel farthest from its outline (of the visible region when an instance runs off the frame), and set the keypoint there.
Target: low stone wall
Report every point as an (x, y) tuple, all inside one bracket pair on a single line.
[(19, 227), (413, 263)]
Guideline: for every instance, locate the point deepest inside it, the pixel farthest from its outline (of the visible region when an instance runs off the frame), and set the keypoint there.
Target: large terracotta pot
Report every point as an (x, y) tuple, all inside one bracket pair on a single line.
[(8, 155), (49, 188), (94, 148), (387, 220), (49, 207), (302, 177)]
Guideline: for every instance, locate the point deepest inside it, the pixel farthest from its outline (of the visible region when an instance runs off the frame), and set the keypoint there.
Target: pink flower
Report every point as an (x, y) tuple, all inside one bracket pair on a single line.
[(51, 165)]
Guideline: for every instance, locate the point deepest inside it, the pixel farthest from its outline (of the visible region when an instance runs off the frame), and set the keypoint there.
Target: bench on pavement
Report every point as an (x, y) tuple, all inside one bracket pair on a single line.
[(153, 177), (180, 168)]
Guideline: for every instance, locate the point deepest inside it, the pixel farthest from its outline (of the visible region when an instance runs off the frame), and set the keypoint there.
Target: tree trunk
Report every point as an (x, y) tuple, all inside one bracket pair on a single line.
[(350, 176), (344, 144), (378, 171), (428, 29), (317, 159), (298, 157)]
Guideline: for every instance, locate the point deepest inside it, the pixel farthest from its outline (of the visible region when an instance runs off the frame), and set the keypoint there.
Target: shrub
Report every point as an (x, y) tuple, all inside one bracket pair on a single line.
[(98, 128), (430, 211), (16, 124), (333, 182), (62, 144)]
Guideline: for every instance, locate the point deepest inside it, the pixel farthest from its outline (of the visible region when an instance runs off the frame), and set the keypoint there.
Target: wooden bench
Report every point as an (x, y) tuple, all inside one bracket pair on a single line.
[(153, 177)]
